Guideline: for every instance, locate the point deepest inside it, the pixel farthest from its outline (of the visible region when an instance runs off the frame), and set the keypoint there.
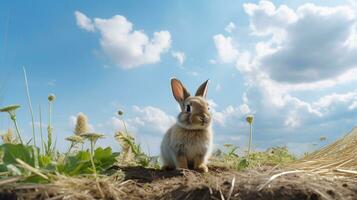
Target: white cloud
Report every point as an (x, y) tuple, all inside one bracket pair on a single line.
[(298, 55), (84, 22), (292, 121), (221, 117), (118, 125), (265, 19), (353, 106), (155, 118), (126, 47), (230, 114), (307, 45), (328, 100), (230, 27), (180, 56), (147, 119), (226, 51)]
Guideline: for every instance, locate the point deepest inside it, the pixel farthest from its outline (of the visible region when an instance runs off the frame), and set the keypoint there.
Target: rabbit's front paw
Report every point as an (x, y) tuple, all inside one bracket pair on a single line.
[(202, 168)]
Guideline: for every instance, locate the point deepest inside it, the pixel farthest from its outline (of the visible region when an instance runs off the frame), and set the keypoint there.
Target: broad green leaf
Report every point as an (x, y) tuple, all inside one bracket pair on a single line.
[(13, 151)]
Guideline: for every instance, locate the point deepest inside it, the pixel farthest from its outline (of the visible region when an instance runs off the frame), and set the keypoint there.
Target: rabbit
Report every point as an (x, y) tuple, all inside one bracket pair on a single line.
[(188, 143)]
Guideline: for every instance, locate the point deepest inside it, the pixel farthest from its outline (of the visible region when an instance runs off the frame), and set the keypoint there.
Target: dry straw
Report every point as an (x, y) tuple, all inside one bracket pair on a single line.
[(337, 159)]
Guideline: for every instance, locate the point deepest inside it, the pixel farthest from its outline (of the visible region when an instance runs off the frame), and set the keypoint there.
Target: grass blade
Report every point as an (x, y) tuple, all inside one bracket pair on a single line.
[(30, 107)]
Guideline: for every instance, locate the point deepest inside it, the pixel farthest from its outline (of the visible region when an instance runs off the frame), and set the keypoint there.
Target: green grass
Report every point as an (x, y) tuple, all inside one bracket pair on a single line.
[(271, 157), (43, 163)]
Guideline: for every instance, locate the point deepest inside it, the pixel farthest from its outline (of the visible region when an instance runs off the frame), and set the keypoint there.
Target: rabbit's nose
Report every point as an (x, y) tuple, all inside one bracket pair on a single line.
[(204, 118)]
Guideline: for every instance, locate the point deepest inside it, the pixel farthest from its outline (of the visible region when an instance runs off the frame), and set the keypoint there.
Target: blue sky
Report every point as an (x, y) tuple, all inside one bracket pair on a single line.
[(291, 64)]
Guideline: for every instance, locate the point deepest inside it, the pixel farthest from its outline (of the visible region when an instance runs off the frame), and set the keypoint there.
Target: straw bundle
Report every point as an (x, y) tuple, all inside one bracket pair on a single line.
[(337, 159)]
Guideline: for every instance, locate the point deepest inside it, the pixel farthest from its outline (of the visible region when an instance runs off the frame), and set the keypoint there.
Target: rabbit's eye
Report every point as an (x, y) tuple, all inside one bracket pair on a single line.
[(188, 108)]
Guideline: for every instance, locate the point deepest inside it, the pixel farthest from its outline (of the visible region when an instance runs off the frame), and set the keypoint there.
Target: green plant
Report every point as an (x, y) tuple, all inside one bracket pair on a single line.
[(129, 146), (93, 138), (250, 120), (43, 144), (271, 157), (82, 162), (74, 140), (11, 110), (49, 149)]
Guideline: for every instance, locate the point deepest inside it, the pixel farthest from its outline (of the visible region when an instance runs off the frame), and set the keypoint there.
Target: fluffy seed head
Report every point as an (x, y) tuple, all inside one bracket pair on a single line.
[(81, 124), (8, 136)]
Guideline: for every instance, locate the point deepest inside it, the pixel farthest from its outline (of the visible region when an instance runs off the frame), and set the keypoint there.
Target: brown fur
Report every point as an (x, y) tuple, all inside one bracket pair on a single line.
[(189, 141)]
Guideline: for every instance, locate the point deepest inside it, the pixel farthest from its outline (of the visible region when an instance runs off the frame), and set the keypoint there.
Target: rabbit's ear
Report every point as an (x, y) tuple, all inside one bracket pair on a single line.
[(202, 90), (178, 90)]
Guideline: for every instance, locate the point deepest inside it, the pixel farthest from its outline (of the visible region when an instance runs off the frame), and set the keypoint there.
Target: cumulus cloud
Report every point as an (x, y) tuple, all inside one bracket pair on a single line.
[(84, 22), (146, 119), (179, 56), (126, 47), (226, 51), (265, 19), (308, 44), (154, 118), (298, 51), (230, 27), (230, 114)]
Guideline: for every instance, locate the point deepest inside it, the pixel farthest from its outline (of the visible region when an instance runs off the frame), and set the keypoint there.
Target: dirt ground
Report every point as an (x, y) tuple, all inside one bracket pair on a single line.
[(217, 184), (142, 183)]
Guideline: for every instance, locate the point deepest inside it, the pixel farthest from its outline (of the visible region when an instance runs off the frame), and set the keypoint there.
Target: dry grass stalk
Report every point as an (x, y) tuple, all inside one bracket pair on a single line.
[(337, 159), (124, 139), (30, 168)]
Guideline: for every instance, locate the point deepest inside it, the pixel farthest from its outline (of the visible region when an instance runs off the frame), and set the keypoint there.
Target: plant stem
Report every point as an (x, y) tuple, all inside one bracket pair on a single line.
[(17, 128), (126, 130), (91, 157), (30, 107), (42, 141), (69, 150), (49, 129), (250, 138)]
